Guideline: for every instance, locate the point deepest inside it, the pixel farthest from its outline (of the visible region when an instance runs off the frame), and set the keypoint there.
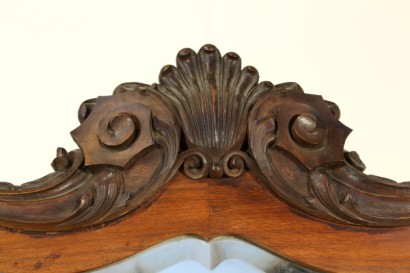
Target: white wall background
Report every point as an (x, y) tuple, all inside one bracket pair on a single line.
[(55, 54)]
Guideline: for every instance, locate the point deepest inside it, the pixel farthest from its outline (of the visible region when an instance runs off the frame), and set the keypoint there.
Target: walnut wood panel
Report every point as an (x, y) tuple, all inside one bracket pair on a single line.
[(209, 208), (187, 212), (249, 211)]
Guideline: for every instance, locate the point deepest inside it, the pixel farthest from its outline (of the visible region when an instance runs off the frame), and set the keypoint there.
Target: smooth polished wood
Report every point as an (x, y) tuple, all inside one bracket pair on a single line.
[(247, 210), (184, 201), (209, 208)]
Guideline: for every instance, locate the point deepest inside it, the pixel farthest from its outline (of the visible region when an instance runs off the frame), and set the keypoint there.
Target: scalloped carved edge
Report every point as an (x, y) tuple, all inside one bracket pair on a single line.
[(208, 116)]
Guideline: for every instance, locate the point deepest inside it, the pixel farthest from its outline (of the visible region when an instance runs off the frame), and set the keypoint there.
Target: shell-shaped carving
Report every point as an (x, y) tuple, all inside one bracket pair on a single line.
[(212, 96)]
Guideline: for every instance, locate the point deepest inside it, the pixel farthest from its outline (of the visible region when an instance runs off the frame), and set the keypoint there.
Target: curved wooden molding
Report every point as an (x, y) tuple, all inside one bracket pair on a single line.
[(221, 254), (211, 118)]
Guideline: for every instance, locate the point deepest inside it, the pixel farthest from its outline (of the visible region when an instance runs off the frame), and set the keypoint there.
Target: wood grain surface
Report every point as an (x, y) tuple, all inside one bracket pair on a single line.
[(209, 208)]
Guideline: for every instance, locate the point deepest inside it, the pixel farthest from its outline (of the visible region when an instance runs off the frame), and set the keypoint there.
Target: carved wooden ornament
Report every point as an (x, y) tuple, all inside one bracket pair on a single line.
[(207, 117)]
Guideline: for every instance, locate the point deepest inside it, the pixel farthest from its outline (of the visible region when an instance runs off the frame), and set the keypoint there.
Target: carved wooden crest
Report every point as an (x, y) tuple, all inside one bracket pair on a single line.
[(207, 117)]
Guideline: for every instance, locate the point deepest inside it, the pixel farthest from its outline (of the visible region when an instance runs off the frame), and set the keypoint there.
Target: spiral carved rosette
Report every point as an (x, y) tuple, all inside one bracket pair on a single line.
[(197, 164), (131, 146)]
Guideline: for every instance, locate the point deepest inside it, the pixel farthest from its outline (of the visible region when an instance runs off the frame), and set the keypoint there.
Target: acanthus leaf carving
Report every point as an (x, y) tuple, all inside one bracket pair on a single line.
[(131, 146), (129, 143), (297, 141)]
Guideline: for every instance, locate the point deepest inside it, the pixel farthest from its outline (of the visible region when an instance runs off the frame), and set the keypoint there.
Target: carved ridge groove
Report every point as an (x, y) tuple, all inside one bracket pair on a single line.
[(207, 117)]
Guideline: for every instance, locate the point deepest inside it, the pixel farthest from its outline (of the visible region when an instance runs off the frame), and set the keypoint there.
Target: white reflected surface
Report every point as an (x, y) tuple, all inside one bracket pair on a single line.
[(234, 265), (192, 255)]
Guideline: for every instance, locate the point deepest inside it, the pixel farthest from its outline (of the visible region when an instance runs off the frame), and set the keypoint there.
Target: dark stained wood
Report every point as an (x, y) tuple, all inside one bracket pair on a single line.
[(131, 145), (263, 162), (209, 208), (127, 158), (298, 141)]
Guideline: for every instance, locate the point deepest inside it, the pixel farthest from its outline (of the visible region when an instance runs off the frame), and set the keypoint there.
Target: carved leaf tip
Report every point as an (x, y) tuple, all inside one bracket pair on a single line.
[(62, 161), (354, 159)]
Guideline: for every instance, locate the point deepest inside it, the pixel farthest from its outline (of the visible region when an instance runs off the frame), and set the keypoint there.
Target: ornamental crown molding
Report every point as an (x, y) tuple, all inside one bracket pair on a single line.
[(207, 117)]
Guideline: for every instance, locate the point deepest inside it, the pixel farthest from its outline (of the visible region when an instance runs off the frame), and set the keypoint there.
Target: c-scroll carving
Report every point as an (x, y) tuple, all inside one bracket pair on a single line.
[(297, 141), (129, 144)]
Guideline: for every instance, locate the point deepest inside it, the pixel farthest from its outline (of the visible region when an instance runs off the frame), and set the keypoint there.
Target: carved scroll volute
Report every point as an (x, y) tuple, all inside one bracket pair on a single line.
[(117, 130), (305, 126), (297, 142), (129, 143), (212, 96), (135, 131)]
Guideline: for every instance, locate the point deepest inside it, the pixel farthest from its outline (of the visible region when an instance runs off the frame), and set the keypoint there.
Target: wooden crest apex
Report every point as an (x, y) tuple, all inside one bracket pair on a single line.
[(207, 117)]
